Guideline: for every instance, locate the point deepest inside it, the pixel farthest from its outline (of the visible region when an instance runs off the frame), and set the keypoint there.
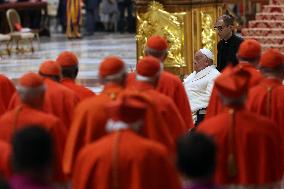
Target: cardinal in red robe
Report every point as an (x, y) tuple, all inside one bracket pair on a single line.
[(123, 159), (31, 91), (69, 69), (249, 145), (249, 55), (169, 84), (90, 117)]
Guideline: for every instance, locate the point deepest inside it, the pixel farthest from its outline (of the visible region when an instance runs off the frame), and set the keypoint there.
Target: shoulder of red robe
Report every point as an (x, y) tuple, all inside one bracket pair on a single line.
[(232, 82)]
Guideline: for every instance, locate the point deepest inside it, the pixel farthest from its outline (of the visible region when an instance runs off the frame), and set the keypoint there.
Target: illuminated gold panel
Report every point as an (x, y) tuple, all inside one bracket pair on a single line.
[(159, 22), (187, 31)]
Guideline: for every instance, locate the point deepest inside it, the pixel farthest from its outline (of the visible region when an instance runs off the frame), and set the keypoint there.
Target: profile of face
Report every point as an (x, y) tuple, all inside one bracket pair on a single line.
[(224, 31), (200, 61)]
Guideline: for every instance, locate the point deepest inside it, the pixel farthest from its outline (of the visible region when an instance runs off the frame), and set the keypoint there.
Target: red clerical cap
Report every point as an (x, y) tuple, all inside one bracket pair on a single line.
[(50, 67), (249, 49), (67, 58), (271, 58), (157, 42), (232, 82), (148, 66), (127, 109), (31, 80), (110, 65)]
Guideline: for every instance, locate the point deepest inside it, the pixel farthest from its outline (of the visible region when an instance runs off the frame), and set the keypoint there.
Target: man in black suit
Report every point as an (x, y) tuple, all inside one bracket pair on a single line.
[(92, 16), (229, 44), (61, 14), (129, 22), (30, 18)]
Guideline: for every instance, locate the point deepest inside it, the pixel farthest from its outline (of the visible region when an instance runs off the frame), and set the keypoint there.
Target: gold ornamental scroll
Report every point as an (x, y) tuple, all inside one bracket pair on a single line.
[(188, 25), (157, 21)]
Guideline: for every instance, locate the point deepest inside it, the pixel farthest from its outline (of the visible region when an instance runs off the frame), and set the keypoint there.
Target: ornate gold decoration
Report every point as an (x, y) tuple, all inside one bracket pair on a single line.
[(187, 24), (157, 21), (207, 34)]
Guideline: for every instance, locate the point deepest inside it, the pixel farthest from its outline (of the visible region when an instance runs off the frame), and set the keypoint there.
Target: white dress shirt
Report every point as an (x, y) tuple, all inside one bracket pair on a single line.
[(198, 87)]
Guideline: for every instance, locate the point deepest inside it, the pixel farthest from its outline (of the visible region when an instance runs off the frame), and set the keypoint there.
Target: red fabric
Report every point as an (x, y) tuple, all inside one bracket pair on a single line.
[(127, 109), (18, 26), (155, 126), (255, 75), (58, 100), (7, 89), (139, 163), (271, 58), (276, 2), (88, 124), (67, 58), (274, 9), (31, 80), (262, 32), (258, 101), (5, 164), (110, 65), (157, 43), (27, 116), (81, 91), (257, 148), (269, 16), (232, 82), (215, 105), (171, 86), (266, 24), (50, 67), (249, 49), (174, 125), (270, 41), (148, 66)]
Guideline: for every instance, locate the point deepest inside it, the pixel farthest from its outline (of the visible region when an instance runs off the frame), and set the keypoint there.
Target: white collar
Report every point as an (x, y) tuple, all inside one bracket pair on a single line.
[(112, 125), (204, 72), (161, 66)]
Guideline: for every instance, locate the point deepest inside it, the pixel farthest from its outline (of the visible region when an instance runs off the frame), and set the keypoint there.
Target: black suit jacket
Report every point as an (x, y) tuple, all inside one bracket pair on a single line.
[(227, 51)]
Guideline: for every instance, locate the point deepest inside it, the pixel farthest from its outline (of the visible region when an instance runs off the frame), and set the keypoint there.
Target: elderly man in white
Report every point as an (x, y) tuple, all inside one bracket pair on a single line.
[(199, 84)]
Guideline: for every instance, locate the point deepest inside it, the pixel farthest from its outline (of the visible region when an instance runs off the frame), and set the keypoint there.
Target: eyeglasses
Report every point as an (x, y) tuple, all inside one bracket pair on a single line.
[(219, 28)]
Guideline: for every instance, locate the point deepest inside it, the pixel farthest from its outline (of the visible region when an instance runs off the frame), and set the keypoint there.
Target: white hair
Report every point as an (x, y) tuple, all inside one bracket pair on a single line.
[(28, 93), (115, 76), (112, 125)]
